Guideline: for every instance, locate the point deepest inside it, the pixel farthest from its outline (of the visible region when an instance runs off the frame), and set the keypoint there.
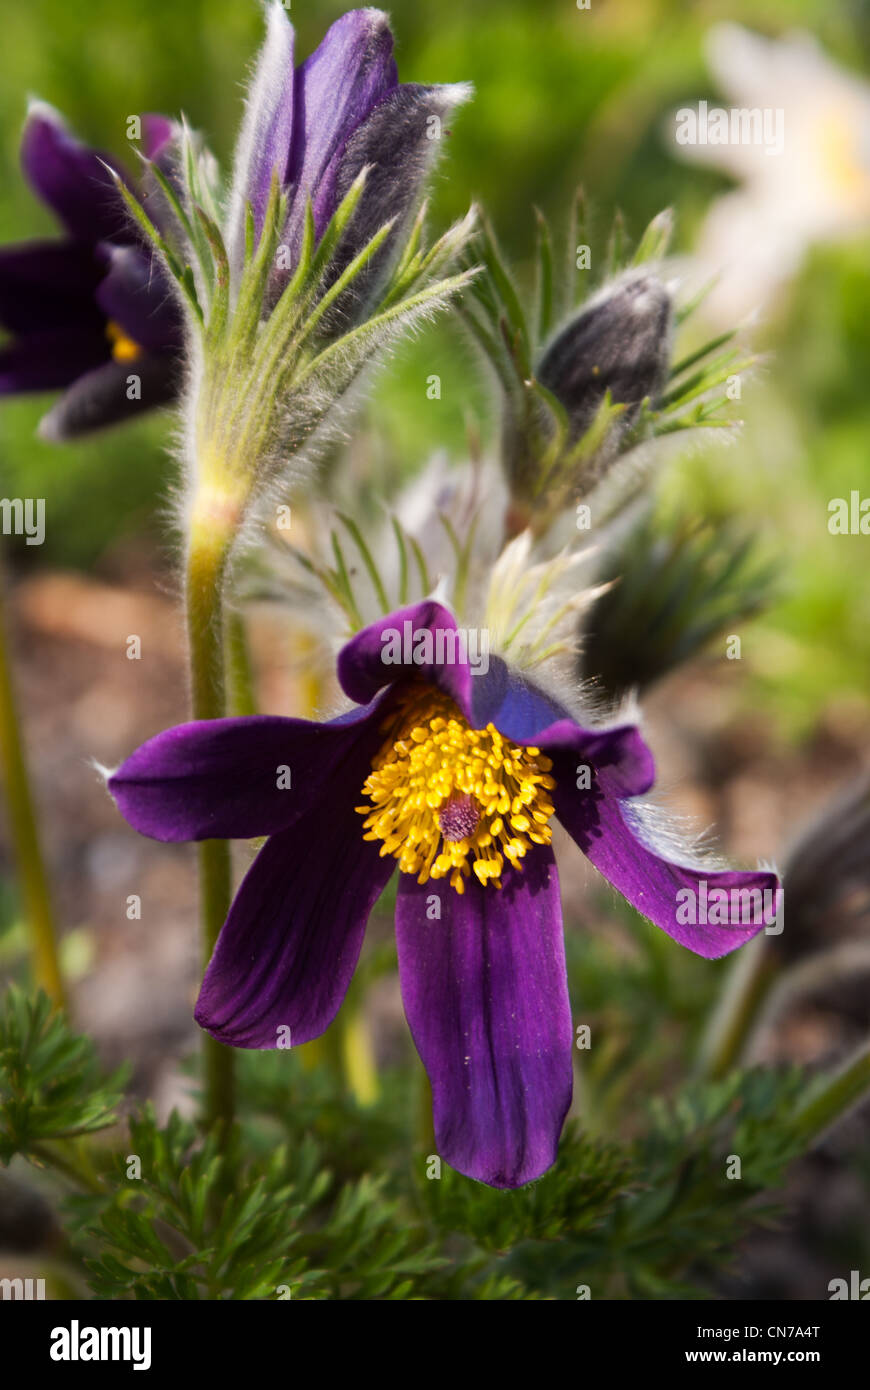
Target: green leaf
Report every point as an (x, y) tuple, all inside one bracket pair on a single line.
[(51, 1086), (653, 245)]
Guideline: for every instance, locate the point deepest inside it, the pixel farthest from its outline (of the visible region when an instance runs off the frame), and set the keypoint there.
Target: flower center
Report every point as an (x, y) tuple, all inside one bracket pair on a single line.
[(124, 349), (447, 799), (459, 817)]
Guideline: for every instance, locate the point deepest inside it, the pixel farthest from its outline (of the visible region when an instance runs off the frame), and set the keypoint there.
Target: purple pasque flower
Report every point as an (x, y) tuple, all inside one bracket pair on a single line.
[(459, 776), (343, 109), (89, 309)]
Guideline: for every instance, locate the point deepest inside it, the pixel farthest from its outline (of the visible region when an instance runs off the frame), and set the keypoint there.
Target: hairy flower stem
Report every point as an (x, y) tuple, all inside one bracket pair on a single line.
[(208, 554), (242, 696), (28, 852)]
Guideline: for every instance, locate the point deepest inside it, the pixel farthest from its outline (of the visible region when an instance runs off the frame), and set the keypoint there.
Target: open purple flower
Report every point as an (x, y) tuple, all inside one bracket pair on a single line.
[(320, 124), (86, 311), (459, 776)]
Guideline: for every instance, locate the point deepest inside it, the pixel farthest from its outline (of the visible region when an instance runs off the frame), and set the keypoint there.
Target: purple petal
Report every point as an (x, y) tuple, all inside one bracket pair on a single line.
[(418, 642), (264, 139), (486, 997), (100, 397), (526, 714), (71, 178), (50, 360), (385, 652), (517, 707), (620, 759), (219, 778), (157, 132), (162, 148), (135, 293), (336, 88), (290, 944), (673, 896), (49, 284)]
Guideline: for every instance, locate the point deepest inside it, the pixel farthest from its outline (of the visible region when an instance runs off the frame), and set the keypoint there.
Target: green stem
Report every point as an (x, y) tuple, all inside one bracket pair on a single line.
[(206, 568), (831, 1097), (747, 985), (25, 834), (425, 1122), (240, 671), (358, 1064)]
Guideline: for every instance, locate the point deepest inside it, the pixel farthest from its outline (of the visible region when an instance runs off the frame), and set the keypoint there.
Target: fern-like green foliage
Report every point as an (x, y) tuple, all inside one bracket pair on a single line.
[(51, 1086), (195, 1225), (589, 1177), (689, 1203), (316, 1197)]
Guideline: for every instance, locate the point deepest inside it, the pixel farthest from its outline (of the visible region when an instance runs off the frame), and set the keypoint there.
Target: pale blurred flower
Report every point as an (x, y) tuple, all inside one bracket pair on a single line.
[(816, 189)]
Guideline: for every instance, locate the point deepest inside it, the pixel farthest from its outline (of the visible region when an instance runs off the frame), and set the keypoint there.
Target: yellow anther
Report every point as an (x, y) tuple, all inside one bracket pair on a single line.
[(447, 800)]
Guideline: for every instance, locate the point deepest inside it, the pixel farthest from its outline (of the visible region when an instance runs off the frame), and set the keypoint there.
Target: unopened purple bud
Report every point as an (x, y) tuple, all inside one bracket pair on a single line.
[(319, 125), (619, 343)]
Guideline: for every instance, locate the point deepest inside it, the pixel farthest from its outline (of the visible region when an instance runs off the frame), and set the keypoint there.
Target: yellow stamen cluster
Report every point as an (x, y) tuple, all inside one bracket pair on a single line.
[(447, 799), (124, 349)]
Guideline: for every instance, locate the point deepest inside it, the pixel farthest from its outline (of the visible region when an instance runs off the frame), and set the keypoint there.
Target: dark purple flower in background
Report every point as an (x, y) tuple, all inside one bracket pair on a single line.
[(461, 776), (85, 311), (320, 124)]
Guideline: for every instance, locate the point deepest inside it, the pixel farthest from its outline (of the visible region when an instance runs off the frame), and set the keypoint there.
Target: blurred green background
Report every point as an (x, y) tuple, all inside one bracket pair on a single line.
[(562, 96)]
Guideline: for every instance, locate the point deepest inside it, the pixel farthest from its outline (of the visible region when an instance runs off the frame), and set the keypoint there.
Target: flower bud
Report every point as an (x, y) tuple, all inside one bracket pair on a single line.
[(558, 441), (341, 111), (620, 343)]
